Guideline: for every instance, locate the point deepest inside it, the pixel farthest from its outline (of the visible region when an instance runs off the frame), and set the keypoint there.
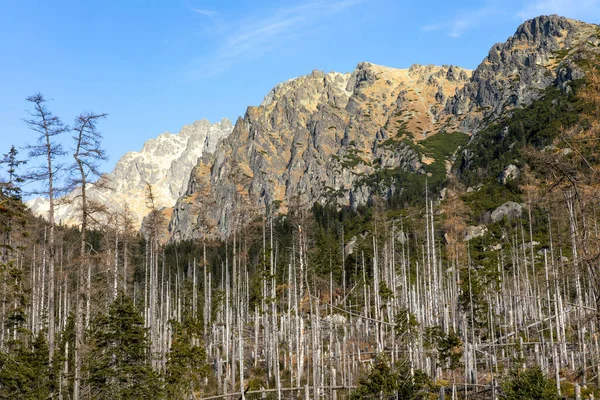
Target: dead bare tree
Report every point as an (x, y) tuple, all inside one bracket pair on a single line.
[(48, 127), (87, 154)]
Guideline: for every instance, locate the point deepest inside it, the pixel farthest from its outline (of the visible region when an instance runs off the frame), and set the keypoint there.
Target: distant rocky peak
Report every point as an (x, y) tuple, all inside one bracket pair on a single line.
[(201, 125), (164, 162), (309, 90), (299, 86), (455, 74), (276, 89), (363, 75)]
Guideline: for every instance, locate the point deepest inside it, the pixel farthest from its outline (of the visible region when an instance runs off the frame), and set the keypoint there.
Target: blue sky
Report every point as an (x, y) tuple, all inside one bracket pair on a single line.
[(154, 66)]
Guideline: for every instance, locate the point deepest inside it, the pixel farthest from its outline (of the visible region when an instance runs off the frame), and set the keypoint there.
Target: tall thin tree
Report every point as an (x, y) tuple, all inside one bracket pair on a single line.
[(48, 127), (87, 154), (11, 214)]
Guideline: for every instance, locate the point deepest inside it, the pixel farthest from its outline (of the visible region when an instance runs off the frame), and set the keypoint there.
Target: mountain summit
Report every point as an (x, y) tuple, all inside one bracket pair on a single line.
[(318, 138), (543, 52), (341, 139)]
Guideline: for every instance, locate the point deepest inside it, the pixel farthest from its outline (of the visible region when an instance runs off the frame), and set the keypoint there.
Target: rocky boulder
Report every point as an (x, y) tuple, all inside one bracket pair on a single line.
[(511, 172), (473, 232), (510, 210)]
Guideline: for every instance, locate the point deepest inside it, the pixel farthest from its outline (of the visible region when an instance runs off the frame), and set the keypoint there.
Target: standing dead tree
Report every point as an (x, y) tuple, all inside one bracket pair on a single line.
[(48, 127), (87, 154)]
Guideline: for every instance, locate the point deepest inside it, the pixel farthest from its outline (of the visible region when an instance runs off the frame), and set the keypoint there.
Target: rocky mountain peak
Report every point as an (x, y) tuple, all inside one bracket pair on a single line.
[(516, 72), (307, 91), (164, 162), (331, 137), (315, 138), (547, 29)]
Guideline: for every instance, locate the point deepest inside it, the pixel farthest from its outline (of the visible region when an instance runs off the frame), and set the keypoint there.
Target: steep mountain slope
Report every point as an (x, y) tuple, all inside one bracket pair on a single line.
[(314, 138), (344, 137), (164, 162)]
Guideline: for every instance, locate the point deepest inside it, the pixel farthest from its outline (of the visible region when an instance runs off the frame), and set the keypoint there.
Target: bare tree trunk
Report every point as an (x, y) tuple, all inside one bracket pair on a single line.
[(116, 265), (78, 336)]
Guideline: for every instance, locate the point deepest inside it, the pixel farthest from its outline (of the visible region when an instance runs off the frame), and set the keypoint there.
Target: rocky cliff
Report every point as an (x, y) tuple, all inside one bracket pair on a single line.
[(544, 51), (336, 137), (164, 162), (316, 137)]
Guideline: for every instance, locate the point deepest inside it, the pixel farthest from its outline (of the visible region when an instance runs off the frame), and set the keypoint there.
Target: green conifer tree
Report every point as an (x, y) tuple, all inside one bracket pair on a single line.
[(386, 381), (117, 364), (529, 384), (186, 365), (25, 373), (12, 222)]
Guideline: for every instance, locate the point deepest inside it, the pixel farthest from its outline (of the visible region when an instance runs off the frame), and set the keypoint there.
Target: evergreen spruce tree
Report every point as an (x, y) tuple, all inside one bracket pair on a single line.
[(117, 364), (26, 373), (529, 384), (386, 381), (12, 208), (186, 365), (12, 222)]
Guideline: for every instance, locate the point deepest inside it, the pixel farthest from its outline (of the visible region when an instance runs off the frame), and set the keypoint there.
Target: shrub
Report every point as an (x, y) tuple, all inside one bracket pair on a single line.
[(530, 384)]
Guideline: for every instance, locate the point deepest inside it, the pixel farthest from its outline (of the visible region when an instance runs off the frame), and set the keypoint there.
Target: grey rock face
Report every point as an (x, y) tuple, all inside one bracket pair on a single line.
[(401, 237), (315, 138), (509, 173), (349, 247), (516, 72), (510, 209)]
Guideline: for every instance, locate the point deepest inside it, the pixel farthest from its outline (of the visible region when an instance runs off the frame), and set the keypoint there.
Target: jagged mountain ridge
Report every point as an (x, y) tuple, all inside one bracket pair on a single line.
[(300, 141), (543, 51), (320, 136), (164, 162)]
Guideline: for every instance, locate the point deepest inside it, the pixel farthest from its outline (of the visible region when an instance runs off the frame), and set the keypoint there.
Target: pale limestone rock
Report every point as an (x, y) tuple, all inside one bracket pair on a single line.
[(511, 172), (164, 162), (473, 232)]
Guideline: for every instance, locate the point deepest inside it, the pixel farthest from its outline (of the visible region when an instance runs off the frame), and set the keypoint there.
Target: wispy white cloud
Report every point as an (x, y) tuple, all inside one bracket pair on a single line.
[(255, 35), (206, 13), (588, 10), (462, 22)]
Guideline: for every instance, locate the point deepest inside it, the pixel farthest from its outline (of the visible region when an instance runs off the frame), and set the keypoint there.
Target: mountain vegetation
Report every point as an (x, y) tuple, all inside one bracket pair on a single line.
[(377, 261)]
